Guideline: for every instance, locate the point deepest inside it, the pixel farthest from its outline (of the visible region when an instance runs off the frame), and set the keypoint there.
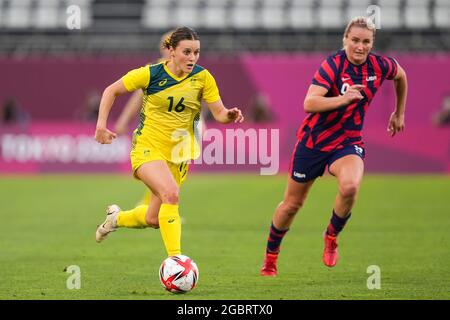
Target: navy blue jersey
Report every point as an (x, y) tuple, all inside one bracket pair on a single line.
[(327, 131)]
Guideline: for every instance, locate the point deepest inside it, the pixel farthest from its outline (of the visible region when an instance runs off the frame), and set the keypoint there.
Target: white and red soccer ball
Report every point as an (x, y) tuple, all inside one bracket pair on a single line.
[(178, 274)]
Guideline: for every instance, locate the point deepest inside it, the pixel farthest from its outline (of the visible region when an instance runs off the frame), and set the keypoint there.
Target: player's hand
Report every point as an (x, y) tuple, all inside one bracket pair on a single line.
[(235, 115), (104, 136), (396, 123), (353, 93)]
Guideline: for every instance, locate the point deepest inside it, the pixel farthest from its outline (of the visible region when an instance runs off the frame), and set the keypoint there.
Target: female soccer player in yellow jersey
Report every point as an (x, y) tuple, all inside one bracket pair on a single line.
[(134, 104), (165, 140)]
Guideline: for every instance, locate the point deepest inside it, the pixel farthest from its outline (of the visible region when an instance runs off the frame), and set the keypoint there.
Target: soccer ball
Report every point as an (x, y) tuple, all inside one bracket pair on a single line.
[(178, 274)]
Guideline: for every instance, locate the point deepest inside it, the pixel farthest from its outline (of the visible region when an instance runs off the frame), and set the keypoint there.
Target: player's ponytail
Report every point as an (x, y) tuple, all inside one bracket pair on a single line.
[(166, 41)]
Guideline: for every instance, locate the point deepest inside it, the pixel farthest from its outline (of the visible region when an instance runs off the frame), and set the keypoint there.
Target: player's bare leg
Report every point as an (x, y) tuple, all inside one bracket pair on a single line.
[(157, 176), (294, 197), (349, 171), (153, 209)]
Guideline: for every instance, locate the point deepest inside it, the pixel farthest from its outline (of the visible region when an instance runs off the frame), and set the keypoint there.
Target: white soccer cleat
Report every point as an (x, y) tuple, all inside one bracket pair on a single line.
[(110, 224)]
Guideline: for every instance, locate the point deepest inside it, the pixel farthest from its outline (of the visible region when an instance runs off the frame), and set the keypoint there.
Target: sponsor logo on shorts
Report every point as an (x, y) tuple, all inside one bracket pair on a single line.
[(359, 150), (299, 175), (162, 82)]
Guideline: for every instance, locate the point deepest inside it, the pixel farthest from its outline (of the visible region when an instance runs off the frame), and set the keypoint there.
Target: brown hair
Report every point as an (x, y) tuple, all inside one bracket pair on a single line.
[(362, 22), (164, 38), (181, 33)]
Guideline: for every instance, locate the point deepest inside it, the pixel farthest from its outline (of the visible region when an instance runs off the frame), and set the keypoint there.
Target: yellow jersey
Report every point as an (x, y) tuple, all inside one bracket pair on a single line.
[(170, 111)]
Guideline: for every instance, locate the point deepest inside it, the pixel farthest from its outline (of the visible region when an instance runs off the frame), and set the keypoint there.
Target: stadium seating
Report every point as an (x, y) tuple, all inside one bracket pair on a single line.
[(42, 14), (390, 14), (187, 13), (17, 15), (441, 13), (156, 14), (417, 14), (243, 24), (301, 14), (236, 14), (357, 8), (273, 14), (244, 14), (47, 14), (215, 14), (330, 14)]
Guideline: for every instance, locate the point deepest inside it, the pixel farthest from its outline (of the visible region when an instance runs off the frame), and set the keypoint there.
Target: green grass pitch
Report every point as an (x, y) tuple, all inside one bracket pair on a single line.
[(400, 223)]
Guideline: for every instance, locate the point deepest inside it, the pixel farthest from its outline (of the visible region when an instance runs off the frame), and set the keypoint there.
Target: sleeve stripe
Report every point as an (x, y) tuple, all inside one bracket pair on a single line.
[(375, 64), (331, 61), (326, 67), (318, 78), (389, 65), (317, 83), (325, 76), (394, 68)]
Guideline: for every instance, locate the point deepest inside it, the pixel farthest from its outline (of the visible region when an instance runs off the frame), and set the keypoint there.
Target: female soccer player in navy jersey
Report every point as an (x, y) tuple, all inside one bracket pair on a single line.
[(330, 136)]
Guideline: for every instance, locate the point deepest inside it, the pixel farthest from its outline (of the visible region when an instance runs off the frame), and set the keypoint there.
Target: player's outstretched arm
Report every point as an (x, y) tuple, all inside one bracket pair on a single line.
[(397, 119), (315, 100), (224, 115), (102, 134)]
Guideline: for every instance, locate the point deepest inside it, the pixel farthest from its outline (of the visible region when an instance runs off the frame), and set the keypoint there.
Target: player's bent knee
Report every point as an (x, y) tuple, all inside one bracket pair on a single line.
[(291, 207), (349, 189), (170, 196)]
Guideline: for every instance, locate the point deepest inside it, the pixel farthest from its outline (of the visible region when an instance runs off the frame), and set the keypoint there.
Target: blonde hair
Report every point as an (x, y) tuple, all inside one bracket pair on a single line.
[(362, 22), (165, 38)]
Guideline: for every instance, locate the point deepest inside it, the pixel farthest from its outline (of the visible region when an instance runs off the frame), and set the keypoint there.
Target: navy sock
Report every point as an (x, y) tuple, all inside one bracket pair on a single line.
[(337, 224), (274, 240)]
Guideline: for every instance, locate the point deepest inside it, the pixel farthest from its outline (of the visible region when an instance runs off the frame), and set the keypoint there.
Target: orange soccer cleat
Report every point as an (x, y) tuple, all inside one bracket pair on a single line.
[(269, 269), (330, 252)]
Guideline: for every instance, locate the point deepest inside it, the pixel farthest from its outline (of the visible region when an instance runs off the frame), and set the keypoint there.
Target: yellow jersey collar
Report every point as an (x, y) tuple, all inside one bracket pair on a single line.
[(171, 74)]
